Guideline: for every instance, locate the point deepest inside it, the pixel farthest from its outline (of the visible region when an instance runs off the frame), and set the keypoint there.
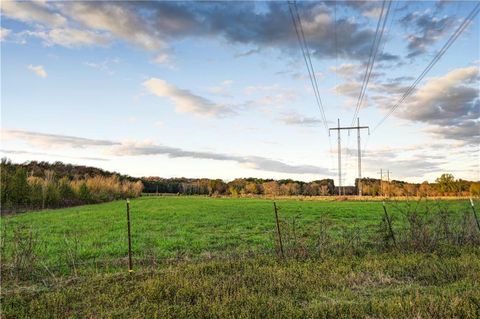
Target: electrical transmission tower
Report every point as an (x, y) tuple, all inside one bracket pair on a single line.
[(382, 174), (338, 129)]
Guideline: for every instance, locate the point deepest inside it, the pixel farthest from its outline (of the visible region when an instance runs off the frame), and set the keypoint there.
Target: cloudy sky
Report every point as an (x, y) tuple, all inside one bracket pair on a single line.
[(221, 90)]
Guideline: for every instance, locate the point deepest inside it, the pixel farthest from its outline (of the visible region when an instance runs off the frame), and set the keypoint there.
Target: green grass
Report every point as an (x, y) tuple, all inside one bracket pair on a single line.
[(191, 226), (215, 258), (378, 286)]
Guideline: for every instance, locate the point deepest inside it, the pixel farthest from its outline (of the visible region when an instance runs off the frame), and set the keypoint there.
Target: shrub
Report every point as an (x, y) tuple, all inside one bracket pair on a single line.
[(84, 193), (36, 197)]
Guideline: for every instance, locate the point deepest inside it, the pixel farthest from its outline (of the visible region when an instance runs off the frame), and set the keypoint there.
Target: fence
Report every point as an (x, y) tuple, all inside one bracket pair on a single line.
[(86, 243)]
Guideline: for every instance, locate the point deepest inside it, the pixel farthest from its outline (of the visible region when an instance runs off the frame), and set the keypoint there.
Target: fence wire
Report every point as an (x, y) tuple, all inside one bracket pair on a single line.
[(29, 251)]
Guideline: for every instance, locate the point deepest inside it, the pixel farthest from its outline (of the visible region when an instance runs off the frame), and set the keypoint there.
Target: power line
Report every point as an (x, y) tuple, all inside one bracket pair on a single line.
[(311, 67), (371, 60), (336, 43), (336, 76), (373, 54), (392, 19), (390, 25), (432, 63), (297, 23)]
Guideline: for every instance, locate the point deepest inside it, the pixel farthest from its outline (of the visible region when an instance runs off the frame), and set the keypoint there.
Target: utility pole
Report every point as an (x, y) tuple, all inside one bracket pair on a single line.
[(338, 129), (360, 156), (388, 182), (381, 181), (339, 150)]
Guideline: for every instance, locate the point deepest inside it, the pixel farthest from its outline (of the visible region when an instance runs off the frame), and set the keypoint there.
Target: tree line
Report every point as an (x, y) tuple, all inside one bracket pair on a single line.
[(445, 185), (36, 185), (238, 187), (39, 185)]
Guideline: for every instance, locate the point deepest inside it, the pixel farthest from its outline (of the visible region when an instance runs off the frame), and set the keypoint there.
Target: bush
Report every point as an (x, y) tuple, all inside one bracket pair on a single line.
[(84, 193)]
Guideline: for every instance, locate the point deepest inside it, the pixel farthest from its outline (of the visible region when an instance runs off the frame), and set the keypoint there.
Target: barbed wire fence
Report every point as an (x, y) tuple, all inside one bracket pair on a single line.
[(45, 253)]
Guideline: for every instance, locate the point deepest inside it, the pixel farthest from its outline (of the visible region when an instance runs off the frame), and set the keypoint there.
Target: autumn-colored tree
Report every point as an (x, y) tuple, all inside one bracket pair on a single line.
[(290, 189), (410, 189), (252, 188), (216, 186), (475, 189), (446, 184), (424, 189), (271, 188)]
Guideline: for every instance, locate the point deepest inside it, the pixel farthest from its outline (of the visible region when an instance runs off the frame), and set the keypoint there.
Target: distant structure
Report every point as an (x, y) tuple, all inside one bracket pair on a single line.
[(339, 150), (381, 181)]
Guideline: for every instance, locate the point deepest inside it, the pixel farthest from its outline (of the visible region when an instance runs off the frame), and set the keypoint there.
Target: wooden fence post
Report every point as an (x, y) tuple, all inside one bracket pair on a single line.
[(278, 230)]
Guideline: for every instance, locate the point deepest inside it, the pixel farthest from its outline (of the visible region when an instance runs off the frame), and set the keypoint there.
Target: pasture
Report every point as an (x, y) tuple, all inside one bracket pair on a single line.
[(170, 227), (219, 257)]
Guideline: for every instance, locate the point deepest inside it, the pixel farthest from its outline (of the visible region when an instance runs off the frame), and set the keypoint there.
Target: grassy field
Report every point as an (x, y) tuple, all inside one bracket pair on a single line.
[(207, 257), (193, 226)]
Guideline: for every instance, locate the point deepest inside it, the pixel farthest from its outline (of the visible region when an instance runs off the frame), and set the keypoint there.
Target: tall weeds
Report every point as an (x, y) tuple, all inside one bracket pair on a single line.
[(434, 228), (51, 192)]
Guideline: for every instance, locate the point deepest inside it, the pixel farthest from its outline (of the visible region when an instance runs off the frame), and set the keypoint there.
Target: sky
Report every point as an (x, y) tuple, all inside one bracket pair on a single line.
[(221, 90)]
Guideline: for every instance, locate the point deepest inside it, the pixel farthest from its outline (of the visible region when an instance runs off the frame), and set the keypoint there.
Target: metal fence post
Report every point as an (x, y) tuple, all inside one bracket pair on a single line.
[(475, 213), (387, 218), (130, 265), (278, 230)]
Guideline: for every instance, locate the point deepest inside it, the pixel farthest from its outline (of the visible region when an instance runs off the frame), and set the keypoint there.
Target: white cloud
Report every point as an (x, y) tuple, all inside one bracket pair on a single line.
[(70, 38), (223, 89), (297, 119), (252, 89), (347, 70), (350, 89), (185, 101), (271, 95), (56, 156), (151, 26), (318, 22), (163, 59), (38, 70), (105, 65), (4, 33), (373, 13), (420, 161), (432, 96), (134, 148), (32, 11), (44, 140), (117, 19), (450, 103)]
